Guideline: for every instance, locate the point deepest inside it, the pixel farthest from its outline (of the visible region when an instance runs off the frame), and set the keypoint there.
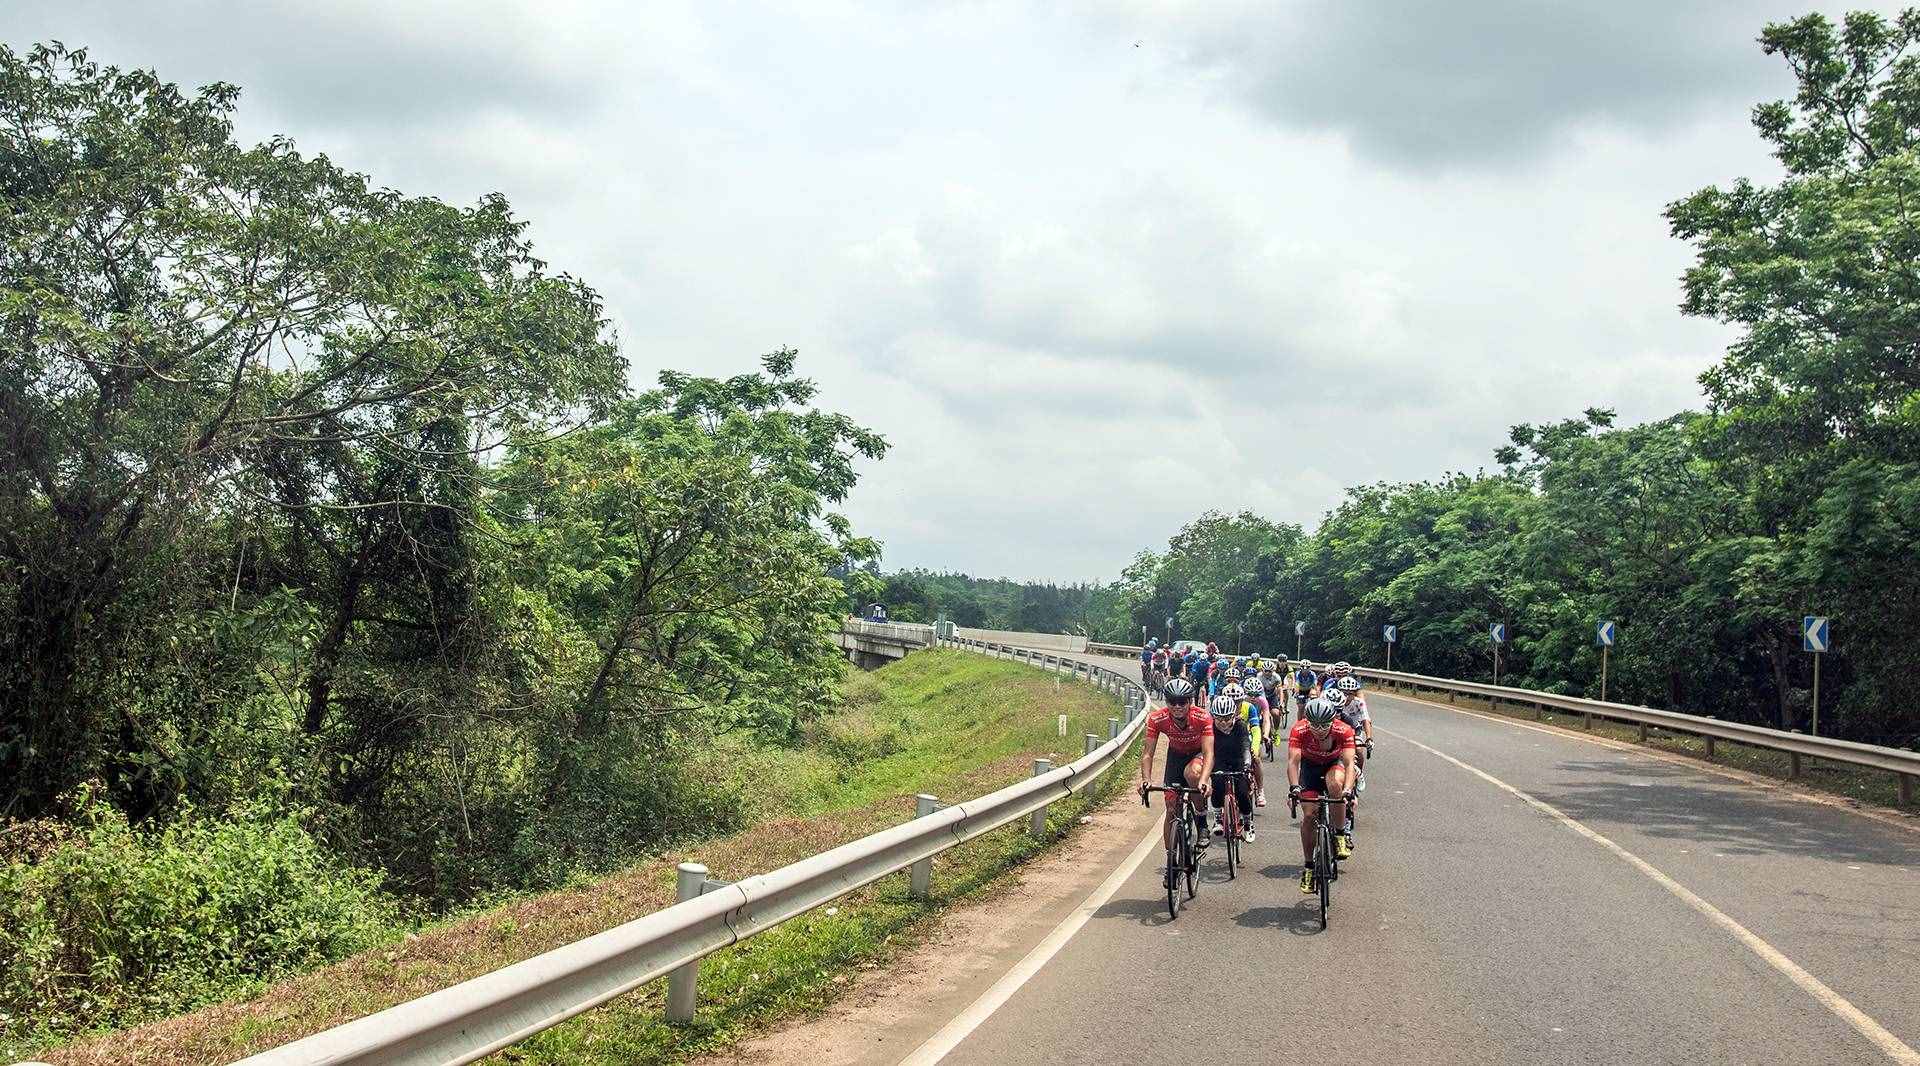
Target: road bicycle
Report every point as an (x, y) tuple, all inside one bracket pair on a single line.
[(1183, 854), (1156, 681), (1326, 868), (1232, 824)]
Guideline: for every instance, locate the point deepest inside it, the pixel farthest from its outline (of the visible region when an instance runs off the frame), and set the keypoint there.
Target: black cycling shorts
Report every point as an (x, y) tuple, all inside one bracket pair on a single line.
[(1242, 789), (1313, 776), (1175, 772)]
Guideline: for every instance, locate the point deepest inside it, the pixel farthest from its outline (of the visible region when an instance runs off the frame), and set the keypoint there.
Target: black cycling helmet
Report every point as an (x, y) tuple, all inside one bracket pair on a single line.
[(1179, 690), (1319, 713)]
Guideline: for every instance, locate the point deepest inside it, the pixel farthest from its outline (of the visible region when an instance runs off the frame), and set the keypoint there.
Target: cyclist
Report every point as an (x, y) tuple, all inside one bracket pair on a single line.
[(1232, 748), (1352, 716), (1320, 762), (1354, 713), (1146, 660), (1200, 669), (1306, 685), (1189, 733), (1252, 708), (1273, 688)]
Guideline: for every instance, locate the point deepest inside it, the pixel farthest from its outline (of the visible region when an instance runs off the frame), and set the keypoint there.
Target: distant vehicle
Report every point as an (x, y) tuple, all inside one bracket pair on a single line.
[(1184, 646), (876, 613)]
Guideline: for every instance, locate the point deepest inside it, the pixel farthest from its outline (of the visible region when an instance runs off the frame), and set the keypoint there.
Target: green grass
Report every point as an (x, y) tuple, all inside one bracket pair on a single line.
[(1876, 787), (952, 710), (942, 721)]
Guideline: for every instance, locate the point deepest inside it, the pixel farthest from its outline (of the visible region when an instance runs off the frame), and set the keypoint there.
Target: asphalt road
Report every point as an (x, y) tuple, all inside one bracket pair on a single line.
[(1473, 927)]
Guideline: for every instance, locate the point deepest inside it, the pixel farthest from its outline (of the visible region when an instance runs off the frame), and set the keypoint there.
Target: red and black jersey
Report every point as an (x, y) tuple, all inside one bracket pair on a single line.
[(1184, 728), (1321, 751)]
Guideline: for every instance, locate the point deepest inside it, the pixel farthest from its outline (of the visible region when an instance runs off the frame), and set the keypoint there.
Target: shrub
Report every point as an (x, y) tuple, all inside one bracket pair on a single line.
[(103, 924)]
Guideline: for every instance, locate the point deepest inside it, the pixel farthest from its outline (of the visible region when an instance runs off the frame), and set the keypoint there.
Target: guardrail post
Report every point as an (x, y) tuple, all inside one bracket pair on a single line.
[(1906, 789), (1093, 742), (1794, 761), (1037, 823), (1113, 729), (683, 983), (1586, 721), (1710, 743), (1643, 732), (922, 875)]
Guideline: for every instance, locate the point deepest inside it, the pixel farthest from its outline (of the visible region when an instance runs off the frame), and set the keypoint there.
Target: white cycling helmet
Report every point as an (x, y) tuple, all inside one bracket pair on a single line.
[(1335, 698), (1233, 692), (1221, 707), (1349, 683)]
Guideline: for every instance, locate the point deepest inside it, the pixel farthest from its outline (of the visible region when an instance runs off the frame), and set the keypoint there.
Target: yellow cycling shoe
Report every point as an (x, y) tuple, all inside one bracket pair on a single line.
[(1340, 848), (1306, 881)]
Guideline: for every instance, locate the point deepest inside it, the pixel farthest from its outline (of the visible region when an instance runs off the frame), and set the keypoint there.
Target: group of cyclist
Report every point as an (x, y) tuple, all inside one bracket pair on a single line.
[(1223, 711)]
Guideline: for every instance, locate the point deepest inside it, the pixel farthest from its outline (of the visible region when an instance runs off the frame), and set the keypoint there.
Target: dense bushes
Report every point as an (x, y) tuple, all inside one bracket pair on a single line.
[(102, 923)]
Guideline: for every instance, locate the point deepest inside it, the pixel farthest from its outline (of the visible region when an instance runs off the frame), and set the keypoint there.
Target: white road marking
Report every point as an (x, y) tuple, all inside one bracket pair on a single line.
[(1899, 821), (950, 1035), (1895, 1049)]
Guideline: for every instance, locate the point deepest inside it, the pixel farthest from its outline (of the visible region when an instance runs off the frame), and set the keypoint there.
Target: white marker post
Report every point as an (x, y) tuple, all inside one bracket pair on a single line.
[(1390, 634), (1498, 632)]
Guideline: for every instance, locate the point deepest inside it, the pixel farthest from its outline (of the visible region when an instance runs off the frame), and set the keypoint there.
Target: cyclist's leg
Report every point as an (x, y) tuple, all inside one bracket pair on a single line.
[(1218, 801), (1243, 801), (1337, 783), (1172, 772), (1192, 773)]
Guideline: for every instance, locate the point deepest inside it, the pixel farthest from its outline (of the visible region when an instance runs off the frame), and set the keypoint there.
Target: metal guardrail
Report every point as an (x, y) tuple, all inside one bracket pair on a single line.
[(1904, 764), (475, 1018), (904, 632)]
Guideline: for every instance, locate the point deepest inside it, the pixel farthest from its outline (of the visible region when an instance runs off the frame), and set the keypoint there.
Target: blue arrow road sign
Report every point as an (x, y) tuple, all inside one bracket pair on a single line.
[(1390, 633), (1814, 636), (1604, 635), (1498, 631)]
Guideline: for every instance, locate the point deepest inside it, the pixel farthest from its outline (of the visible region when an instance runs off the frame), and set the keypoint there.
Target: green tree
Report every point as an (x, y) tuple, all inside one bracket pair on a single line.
[(190, 330)]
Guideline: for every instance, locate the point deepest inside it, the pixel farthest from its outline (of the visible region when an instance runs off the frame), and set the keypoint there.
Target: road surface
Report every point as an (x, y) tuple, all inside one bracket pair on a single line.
[(1519, 895)]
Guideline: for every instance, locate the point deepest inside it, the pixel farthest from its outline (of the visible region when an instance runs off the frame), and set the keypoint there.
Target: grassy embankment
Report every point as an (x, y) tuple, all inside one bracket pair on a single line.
[(947, 722), (1874, 787)]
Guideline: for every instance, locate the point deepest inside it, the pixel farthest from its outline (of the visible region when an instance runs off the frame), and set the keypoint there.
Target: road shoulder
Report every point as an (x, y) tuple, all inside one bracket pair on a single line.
[(888, 1011)]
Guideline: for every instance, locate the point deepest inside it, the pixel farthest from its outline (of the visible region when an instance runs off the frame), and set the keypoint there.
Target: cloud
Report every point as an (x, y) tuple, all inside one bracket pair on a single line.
[(1480, 85)]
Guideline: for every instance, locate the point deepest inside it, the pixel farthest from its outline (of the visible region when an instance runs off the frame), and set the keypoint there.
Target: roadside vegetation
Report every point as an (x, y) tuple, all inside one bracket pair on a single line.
[(947, 722), (345, 581)]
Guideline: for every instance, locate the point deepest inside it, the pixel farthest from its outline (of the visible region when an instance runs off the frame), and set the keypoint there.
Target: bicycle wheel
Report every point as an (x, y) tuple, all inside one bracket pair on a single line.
[(1193, 859), (1173, 883), (1230, 819), (1323, 871)]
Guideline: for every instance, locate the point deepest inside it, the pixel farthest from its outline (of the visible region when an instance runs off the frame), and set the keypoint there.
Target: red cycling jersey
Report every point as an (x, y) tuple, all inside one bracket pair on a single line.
[(1313, 749), (1184, 727)]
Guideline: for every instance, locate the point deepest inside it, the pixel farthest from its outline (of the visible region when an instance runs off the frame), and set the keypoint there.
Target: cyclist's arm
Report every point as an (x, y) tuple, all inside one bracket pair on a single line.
[(1293, 768), (1206, 762), (1146, 760)]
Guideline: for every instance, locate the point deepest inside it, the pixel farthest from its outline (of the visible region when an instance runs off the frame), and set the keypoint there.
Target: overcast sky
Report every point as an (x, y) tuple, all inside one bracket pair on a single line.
[(1063, 256)]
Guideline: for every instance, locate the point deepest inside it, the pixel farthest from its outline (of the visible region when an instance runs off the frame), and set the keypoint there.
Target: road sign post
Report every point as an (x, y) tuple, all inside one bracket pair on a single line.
[(1239, 637), (1390, 634), (1815, 636), (1498, 633), (1603, 635)]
